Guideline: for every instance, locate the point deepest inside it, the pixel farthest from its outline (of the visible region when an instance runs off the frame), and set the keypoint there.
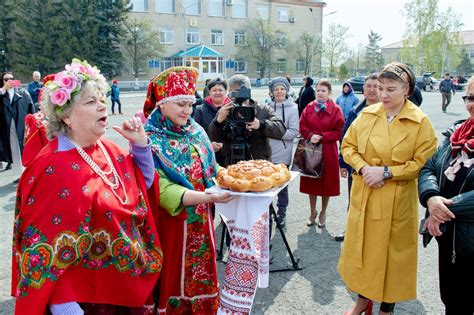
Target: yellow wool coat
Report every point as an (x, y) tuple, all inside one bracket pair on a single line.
[(379, 255)]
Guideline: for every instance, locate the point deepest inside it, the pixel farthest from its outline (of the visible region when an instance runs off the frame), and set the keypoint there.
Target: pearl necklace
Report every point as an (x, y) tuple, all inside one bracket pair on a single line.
[(101, 173)]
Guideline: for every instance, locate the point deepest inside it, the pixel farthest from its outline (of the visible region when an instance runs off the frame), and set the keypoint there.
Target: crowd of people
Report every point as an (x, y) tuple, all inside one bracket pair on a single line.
[(101, 230)]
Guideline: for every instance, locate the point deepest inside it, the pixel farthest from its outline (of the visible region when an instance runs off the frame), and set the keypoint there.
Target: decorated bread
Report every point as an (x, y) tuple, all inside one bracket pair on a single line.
[(254, 175)]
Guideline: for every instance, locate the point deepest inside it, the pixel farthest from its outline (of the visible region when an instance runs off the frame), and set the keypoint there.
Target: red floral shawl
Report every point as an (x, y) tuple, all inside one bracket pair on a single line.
[(73, 239)]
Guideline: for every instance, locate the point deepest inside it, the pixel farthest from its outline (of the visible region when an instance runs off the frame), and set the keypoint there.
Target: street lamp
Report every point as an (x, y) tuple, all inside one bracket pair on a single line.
[(320, 39)]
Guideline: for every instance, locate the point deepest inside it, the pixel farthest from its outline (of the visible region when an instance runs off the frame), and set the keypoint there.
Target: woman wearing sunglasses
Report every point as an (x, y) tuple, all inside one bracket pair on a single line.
[(446, 189), (15, 104)]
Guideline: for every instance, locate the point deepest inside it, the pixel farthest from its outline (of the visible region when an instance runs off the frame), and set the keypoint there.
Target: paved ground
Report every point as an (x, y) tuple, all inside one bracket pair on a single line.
[(317, 289)]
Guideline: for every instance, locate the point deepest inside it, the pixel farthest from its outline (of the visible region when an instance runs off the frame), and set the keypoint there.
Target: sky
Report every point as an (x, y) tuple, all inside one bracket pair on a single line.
[(384, 17)]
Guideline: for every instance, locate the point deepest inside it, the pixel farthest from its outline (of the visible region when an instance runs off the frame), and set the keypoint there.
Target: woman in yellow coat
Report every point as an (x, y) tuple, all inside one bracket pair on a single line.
[(387, 145)]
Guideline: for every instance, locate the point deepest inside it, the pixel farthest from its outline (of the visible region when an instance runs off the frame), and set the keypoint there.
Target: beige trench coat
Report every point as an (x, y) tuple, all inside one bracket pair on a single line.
[(379, 255)]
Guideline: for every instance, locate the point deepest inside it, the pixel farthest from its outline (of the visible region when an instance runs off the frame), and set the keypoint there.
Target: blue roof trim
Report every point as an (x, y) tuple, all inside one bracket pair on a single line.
[(198, 51)]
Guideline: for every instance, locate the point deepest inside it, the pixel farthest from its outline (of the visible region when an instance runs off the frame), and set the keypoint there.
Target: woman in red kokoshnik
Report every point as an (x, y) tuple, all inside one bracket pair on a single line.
[(85, 240), (185, 161)]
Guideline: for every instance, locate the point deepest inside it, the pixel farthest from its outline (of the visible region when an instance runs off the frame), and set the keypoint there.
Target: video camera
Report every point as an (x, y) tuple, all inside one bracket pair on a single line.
[(240, 113), (236, 123)]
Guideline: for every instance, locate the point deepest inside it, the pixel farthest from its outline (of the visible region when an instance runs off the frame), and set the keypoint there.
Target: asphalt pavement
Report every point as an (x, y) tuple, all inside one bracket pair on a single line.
[(317, 289)]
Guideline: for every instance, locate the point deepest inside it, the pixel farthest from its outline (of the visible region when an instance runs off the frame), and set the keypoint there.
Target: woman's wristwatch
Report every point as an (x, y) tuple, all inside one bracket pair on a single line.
[(387, 174)]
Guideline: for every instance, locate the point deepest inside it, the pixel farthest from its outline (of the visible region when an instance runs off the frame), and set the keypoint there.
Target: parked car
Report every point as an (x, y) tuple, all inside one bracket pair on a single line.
[(421, 83), (434, 84), (357, 83)]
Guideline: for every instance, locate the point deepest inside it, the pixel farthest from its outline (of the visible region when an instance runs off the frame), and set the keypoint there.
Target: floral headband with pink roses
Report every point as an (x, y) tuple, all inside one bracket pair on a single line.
[(68, 83)]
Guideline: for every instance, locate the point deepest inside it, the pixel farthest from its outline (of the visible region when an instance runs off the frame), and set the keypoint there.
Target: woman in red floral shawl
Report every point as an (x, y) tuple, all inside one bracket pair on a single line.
[(184, 158), (85, 241)]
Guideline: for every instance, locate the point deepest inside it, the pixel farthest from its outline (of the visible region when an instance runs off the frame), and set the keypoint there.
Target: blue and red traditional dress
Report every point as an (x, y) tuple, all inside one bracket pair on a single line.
[(78, 240), (184, 159)]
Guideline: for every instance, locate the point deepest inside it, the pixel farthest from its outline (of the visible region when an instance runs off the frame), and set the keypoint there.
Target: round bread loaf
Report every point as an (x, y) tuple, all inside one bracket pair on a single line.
[(254, 175)]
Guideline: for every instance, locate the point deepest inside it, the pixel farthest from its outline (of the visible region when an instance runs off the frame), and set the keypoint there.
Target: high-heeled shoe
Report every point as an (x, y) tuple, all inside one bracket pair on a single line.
[(321, 223), (312, 220), (367, 310)]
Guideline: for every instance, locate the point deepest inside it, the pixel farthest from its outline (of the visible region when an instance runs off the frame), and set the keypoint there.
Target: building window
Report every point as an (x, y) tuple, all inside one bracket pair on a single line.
[(192, 36), (282, 14), (211, 66), (166, 63), (139, 5), (240, 66), (299, 65), (166, 6), (166, 35), (263, 11), (281, 65), (282, 39), (239, 39), (239, 9), (192, 7), (216, 8), (217, 37), (471, 54)]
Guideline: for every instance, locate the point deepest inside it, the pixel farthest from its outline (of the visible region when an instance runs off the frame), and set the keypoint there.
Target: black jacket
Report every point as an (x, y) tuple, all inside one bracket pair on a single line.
[(20, 106), (204, 114), (306, 96), (271, 126), (431, 182), (416, 98)]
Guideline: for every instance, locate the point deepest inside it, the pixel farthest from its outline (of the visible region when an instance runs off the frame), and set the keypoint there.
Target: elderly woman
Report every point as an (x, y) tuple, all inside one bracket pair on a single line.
[(322, 122), (84, 238), (184, 159), (206, 112), (282, 150), (386, 145), (446, 187)]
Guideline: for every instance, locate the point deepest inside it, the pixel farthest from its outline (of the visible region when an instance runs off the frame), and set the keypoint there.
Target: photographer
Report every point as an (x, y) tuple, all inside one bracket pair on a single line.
[(253, 135)]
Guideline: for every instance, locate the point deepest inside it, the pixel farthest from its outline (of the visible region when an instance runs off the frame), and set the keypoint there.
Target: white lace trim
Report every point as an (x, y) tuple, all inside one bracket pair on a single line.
[(177, 98)]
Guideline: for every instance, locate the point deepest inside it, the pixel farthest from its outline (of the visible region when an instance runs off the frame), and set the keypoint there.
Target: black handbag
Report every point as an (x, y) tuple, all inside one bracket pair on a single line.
[(308, 159)]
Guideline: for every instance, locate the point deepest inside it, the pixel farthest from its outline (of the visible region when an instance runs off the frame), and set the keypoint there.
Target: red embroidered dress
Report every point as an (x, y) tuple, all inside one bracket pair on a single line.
[(188, 283), (35, 137), (75, 241)]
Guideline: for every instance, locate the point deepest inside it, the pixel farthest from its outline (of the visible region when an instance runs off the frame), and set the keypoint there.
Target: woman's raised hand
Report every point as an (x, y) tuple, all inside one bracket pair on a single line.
[(132, 130)]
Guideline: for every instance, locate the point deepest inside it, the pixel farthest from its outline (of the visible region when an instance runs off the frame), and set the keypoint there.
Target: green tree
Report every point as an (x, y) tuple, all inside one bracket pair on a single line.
[(141, 43), (465, 67), (261, 41), (307, 47), (111, 15), (42, 39), (421, 21), (6, 35), (373, 55), (343, 72), (335, 46)]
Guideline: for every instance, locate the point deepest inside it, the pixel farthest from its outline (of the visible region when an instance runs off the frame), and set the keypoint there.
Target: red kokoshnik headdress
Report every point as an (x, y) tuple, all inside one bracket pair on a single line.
[(176, 83)]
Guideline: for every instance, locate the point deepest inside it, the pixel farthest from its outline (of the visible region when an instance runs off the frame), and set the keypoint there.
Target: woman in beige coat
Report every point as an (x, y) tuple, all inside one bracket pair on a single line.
[(387, 146)]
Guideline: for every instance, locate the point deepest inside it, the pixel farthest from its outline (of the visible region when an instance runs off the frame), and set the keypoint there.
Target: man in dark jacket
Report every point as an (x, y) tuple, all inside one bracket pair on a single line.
[(34, 87), (446, 87), (265, 125), (15, 104), (306, 95)]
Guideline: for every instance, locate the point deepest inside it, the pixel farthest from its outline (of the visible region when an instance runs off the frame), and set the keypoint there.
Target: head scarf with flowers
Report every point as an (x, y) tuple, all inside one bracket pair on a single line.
[(172, 145), (64, 85)]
